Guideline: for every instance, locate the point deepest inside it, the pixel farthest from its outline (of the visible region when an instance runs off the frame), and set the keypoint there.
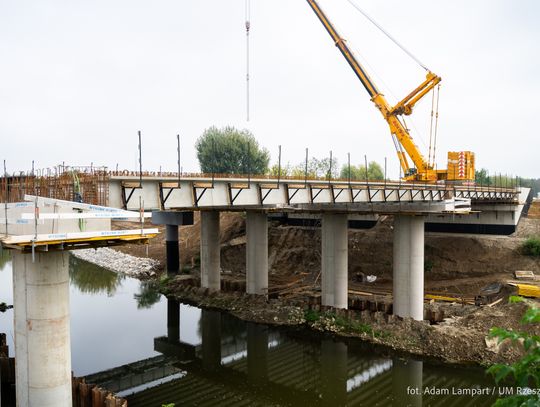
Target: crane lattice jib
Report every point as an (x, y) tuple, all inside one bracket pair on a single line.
[(390, 114)]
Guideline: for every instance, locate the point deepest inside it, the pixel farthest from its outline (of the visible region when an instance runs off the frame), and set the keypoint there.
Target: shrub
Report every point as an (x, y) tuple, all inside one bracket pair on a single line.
[(524, 373), (531, 247)]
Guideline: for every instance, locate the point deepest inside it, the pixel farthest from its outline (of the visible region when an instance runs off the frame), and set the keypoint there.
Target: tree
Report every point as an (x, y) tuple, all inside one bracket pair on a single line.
[(358, 173), (316, 168), (231, 151)]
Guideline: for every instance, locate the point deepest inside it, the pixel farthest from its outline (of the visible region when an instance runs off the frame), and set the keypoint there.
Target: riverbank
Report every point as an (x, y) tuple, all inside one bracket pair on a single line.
[(461, 338)]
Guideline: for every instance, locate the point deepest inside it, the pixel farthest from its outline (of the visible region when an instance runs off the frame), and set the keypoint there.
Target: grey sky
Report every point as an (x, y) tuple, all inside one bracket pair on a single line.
[(79, 78)]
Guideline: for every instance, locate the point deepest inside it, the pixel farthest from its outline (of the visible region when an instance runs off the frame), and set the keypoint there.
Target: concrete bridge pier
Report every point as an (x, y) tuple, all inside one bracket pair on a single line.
[(42, 336), (210, 250), (334, 252), (172, 220), (257, 253), (408, 279)]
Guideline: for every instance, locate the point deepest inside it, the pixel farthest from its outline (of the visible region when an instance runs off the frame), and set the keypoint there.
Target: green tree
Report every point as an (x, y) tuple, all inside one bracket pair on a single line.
[(525, 373), (358, 173), (481, 177), (275, 170), (231, 151)]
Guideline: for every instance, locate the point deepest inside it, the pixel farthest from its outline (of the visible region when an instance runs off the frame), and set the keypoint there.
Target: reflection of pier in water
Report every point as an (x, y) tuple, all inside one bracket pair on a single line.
[(254, 365)]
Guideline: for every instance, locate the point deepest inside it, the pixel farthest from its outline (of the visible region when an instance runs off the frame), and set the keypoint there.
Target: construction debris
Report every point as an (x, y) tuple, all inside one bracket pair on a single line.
[(524, 275)]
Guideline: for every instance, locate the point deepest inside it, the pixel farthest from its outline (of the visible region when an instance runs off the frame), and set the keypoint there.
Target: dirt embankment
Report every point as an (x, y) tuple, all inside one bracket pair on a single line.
[(456, 265), (296, 250)]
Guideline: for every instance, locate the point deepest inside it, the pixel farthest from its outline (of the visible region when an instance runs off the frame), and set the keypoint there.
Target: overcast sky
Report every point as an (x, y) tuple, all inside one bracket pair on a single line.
[(79, 78)]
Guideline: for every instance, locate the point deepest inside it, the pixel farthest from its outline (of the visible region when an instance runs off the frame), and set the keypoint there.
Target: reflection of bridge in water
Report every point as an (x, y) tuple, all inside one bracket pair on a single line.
[(251, 364)]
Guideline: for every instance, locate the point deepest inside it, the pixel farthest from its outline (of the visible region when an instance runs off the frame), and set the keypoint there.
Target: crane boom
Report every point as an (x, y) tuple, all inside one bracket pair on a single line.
[(423, 170)]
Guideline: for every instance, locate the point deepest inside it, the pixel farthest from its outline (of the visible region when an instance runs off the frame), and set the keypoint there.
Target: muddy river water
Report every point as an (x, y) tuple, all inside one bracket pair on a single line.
[(153, 351)]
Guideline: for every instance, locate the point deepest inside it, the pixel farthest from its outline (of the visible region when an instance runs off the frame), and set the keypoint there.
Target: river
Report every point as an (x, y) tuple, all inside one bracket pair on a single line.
[(168, 352)]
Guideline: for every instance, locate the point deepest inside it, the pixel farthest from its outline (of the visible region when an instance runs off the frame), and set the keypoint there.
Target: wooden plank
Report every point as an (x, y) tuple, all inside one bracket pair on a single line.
[(524, 275)]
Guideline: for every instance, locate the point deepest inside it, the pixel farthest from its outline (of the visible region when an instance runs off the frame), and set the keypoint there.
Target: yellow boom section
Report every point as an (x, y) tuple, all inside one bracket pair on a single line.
[(423, 171)]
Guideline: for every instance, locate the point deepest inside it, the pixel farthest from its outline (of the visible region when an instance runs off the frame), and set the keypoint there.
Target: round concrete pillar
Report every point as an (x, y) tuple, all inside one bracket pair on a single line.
[(334, 258), (257, 253), (401, 263), (210, 250), (416, 277), (42, 336)]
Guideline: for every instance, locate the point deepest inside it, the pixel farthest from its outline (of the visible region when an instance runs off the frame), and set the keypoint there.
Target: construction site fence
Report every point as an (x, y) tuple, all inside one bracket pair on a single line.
[(91, 184)]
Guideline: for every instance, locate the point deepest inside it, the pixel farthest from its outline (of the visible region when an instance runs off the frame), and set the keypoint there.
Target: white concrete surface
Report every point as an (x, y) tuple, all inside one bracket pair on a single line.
[(257, 253), (408, 270), (210, 250), (42, 336), (334, 261)]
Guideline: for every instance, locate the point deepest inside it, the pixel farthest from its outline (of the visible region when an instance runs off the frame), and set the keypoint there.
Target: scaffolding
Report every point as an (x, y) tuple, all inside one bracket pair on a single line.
[(79, 184)]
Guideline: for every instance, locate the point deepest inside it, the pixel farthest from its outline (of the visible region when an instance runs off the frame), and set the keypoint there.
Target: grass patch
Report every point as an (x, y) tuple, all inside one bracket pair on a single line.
[(311, 316)]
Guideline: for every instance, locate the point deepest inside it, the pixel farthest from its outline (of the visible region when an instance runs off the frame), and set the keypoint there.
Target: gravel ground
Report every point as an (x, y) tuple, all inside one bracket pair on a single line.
[(118, 262)]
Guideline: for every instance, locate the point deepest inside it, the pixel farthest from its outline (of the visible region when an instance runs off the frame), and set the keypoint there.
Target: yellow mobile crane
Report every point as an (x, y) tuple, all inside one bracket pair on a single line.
[(460, 164)]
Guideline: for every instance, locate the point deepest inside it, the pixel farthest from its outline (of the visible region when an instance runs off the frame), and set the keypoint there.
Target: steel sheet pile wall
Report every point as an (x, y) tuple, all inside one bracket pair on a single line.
[(91, 395)]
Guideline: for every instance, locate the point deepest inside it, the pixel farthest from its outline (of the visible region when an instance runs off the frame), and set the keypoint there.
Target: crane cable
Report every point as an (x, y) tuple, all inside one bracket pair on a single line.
[(388, 35), (248, 27)]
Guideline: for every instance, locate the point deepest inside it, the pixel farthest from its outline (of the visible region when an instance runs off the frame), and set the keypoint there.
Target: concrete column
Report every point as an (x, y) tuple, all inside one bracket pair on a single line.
[(173, 320), (334, 262), (416, 278), (401, 270), (408, 278), (42, 337), (257, 352), (257, 253), (211, 340), (173, 251), (210, 250)]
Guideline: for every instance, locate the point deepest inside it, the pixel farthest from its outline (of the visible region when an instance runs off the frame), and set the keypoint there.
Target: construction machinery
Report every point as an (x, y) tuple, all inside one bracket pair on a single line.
[(460, 164)]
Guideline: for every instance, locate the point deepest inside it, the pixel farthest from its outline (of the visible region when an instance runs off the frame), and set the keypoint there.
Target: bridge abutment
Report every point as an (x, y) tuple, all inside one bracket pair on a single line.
[(334, 262), (408, 270), (257, 253), (210, 250), (42, 335)]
